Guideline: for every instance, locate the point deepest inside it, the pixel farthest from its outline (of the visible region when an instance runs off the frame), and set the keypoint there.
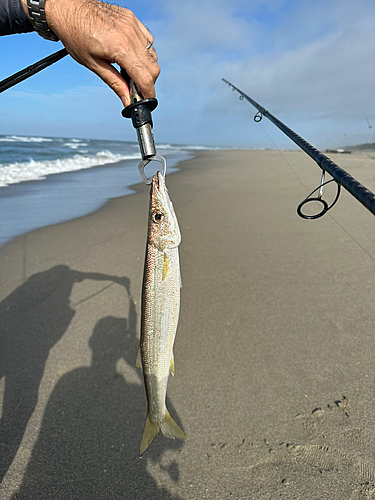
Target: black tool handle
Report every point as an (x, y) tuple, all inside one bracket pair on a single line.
[(140, 109)]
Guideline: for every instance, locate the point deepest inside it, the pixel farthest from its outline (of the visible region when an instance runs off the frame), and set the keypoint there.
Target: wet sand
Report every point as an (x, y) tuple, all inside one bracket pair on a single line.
[(274, 353)]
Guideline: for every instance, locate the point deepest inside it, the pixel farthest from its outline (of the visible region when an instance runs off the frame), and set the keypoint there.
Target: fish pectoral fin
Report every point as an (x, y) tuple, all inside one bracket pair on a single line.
[(170, 429), (171, 366), (138, 361), (165, 266), (151, 430)]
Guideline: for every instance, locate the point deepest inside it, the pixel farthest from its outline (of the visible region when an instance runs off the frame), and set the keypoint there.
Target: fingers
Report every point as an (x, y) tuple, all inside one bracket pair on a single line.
[(113, 79), (143, 72), (141, 63), (136, 71), (144, 31)]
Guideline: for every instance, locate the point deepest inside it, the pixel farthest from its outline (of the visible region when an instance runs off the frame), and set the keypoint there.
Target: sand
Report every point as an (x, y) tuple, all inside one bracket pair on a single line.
[(274, 353)]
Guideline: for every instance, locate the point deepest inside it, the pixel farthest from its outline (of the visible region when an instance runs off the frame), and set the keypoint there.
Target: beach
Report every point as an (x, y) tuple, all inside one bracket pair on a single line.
[(274, 354)]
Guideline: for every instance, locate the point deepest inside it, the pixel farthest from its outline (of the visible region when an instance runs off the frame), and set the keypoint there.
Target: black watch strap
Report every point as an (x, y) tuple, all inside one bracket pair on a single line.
[(38, 19)]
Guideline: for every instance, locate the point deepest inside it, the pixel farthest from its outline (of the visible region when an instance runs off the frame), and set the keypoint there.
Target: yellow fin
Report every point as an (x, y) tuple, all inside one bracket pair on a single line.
[(151, 430), (138, 361), (171, 366), (165, 267), (170, 429)]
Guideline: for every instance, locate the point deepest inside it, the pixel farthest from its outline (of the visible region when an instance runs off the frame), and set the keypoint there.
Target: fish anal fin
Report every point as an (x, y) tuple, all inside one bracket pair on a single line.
[(170, 429), (151, 430), (171, 366), (138, 361)]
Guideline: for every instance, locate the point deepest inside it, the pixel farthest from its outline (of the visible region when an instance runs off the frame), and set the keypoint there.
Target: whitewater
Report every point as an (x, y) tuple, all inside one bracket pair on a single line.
[(33, 158), (48, 180)]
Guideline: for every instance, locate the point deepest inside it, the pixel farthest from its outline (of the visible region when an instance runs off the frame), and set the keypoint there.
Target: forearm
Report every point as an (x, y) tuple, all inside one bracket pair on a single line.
[(13, 18), (97, 34)]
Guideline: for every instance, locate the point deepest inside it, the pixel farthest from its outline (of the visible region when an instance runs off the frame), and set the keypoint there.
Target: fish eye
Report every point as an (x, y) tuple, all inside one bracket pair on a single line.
[(157, 217)]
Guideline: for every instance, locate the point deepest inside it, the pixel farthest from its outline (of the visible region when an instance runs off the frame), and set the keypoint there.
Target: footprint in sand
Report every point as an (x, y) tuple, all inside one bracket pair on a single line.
[(329, 452), (316, 456)]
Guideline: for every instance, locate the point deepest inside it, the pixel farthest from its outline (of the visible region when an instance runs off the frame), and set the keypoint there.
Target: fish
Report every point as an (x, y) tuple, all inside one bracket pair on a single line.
[(160, 312)]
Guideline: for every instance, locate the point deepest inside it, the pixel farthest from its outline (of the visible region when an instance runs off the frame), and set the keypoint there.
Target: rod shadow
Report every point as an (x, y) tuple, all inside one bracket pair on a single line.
[(88, 445)]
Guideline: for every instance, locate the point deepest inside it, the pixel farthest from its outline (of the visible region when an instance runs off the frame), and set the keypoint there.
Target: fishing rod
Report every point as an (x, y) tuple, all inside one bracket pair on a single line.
[(339, 175), (22, 75)]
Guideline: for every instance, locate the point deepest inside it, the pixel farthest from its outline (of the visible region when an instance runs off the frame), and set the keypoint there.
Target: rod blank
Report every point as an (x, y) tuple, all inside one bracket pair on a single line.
[(341, 176), (32, 70)]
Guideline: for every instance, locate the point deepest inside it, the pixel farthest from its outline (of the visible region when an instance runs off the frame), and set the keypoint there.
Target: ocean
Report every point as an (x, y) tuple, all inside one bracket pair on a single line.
[(47, 180)]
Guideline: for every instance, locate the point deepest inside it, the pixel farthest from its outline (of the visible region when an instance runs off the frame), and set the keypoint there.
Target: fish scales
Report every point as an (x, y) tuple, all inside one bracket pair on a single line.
[(160, 311)]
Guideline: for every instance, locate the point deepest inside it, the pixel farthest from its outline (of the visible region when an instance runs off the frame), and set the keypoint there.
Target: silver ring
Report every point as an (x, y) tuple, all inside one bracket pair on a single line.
[(142, 165), (149, 45)]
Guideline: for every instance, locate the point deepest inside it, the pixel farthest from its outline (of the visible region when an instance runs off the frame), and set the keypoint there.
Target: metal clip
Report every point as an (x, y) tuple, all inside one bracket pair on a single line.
[(142, 165), (258, 117)]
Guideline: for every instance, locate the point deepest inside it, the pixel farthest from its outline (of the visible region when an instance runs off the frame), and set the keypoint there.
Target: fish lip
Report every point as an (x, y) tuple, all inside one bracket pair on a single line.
[(156, 182)]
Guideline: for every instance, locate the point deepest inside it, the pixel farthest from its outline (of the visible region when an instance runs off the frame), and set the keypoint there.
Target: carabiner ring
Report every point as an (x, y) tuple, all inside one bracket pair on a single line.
[(142, 165)]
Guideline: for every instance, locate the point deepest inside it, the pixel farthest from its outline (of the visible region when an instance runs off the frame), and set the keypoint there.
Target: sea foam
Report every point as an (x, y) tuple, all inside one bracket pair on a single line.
[(35, 170), (18, 138)]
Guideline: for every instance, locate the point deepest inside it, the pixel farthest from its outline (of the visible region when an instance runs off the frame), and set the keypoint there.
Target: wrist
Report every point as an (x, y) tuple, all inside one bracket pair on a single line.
[(36, 12)]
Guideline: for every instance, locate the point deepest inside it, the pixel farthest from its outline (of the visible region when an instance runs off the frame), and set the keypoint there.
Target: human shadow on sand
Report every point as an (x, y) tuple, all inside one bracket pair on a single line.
[(88, 445), (33, 319)]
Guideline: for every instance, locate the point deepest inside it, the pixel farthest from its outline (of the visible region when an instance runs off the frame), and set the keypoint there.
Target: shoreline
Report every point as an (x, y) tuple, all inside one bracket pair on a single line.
[(61, 197), (274, 350)]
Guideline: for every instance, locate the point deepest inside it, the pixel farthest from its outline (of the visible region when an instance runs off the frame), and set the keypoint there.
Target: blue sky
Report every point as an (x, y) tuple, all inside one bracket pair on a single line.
[(309, 62)]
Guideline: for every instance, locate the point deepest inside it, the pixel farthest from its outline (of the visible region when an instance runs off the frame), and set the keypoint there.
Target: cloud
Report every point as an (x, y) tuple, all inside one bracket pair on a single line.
[(314, 65), (309, 62), (331, 76)]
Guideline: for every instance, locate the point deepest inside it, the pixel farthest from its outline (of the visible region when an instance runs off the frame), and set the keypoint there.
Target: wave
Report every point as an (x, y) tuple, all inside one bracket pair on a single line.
[(19, 138), (75, 144), (36, 170), (168, 146)]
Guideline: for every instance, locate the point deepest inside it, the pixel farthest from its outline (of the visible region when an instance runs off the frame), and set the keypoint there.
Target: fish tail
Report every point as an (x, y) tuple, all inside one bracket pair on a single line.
[(151, 430), (170, 429)]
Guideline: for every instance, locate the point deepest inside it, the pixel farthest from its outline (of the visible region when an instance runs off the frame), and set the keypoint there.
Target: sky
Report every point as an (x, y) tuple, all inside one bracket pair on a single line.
[(311, 63)]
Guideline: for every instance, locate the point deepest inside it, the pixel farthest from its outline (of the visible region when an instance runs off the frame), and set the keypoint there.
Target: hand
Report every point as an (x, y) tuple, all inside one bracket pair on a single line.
[(97, 34)]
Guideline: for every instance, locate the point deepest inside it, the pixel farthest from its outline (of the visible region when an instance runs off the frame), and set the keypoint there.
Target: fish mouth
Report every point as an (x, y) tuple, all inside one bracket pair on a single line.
[(158, 184), (157, 181)]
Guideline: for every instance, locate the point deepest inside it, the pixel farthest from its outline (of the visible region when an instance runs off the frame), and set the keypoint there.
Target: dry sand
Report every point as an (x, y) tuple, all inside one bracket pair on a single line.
[(274, 353)]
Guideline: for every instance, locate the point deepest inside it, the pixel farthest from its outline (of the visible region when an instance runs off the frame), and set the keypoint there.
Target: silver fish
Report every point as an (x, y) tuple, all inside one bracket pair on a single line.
[(160, 311)]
